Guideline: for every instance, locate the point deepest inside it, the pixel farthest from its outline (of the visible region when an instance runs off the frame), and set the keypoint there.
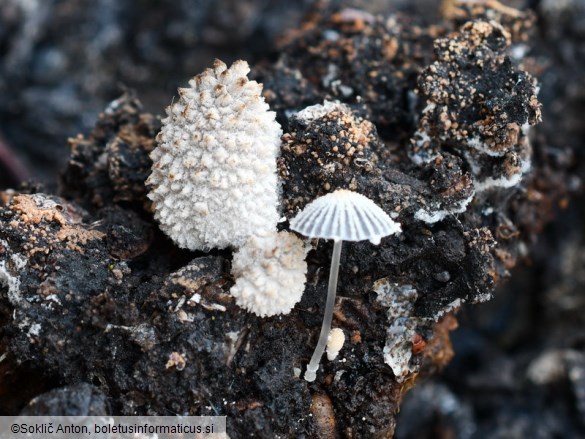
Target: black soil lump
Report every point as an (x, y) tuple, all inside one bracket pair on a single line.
[(437, 123)]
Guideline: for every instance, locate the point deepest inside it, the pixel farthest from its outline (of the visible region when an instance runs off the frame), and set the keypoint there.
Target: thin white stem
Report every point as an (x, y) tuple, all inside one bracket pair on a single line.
[(313, 365)]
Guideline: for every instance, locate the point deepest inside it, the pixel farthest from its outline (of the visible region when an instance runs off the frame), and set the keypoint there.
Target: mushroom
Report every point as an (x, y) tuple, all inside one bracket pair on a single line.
[(335, 342), (342, 215)]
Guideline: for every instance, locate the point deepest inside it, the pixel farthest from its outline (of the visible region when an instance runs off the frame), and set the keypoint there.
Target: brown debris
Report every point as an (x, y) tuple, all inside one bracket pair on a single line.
[(324, 416), (439, 351), (44, 212), (329, 152)]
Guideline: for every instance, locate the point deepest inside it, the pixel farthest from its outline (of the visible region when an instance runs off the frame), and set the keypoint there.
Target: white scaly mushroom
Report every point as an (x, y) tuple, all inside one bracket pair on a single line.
[(342, 215), (270, 273), (213, 182)]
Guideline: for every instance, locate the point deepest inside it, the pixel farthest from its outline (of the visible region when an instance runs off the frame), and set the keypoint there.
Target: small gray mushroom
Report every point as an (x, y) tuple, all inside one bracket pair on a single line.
[(342, 215)]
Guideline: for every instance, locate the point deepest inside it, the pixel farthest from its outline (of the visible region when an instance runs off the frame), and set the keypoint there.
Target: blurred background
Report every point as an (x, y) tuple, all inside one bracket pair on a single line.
[(62, 61)]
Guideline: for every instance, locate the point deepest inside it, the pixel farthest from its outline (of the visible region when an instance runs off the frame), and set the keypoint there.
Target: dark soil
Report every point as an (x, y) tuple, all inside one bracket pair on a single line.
[(97, 307)]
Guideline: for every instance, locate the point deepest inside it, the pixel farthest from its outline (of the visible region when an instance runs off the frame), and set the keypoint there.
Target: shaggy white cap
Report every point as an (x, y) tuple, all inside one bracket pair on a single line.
[(270, 273), (213, 181)]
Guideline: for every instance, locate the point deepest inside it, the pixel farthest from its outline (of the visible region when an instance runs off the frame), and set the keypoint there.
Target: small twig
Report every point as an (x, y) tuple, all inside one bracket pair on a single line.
[(12, 165)]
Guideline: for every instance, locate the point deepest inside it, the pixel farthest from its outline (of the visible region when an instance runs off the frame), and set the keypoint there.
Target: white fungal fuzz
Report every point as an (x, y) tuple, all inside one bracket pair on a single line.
[(319, 110), (431, 217), (213, 181), (270, 272), (10, 269), (335, 343)]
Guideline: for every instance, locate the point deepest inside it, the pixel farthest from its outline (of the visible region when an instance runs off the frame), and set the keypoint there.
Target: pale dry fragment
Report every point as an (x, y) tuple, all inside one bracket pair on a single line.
[(400, 301), (177, 361), (213, 182), (547, 368), (270, 272)]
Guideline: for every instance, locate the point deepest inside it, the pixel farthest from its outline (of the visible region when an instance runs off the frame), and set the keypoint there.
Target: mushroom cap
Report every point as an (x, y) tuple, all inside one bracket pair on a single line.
[(344, 215)]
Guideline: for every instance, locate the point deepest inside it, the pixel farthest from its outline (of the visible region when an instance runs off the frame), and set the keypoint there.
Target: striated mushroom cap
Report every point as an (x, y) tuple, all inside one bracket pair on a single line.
[(344, 215)]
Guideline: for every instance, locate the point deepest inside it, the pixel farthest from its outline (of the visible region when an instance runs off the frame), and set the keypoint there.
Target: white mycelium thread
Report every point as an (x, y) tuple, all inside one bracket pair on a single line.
[(317, 111), (431, 217), (270, 273), (344, 215), (213, 181)]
